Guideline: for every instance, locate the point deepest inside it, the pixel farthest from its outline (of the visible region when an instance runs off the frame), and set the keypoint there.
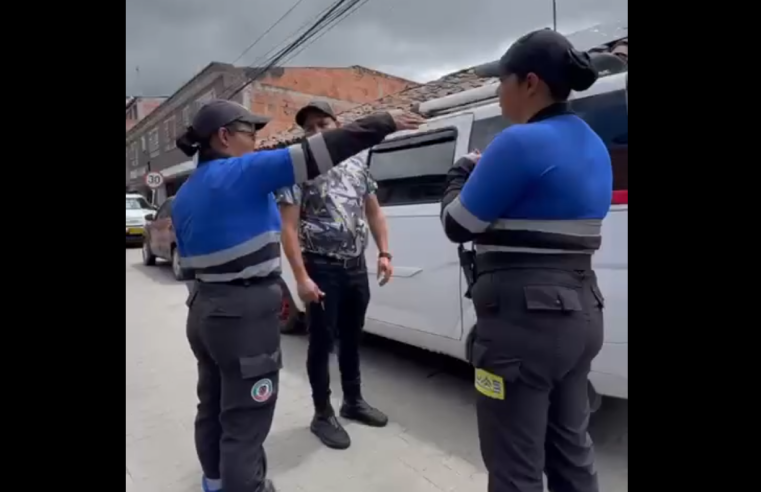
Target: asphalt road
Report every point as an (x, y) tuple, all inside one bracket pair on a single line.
[(430, 445)]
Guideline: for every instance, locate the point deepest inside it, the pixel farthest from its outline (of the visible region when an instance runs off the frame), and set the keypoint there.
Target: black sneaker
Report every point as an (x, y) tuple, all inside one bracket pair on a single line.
[(363, 413), (326, 427)]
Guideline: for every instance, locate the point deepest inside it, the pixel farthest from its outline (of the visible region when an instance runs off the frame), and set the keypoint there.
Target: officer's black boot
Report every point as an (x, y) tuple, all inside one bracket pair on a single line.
[(326, 427), (354, 407)]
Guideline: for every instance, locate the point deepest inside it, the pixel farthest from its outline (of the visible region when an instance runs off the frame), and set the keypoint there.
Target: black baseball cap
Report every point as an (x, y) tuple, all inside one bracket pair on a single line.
[(545, 52), (320, 106), (218, 113)]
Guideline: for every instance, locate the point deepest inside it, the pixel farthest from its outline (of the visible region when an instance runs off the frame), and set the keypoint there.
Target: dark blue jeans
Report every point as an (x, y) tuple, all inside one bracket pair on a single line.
[(339, 318)]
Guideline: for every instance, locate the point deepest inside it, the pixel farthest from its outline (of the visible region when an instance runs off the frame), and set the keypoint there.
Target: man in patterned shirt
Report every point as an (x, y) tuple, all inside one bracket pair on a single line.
[(324, 235)]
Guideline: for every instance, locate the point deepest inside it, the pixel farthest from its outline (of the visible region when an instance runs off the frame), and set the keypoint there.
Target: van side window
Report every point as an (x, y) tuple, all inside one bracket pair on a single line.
[(607, 115), (484, 131), (413, 169)]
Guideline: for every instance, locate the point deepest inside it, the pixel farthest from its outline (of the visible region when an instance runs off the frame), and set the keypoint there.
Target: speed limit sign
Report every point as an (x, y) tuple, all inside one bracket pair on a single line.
[(154, 180)]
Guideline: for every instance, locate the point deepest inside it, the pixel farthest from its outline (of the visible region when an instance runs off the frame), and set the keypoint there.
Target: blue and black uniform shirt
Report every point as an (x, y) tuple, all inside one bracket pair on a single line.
[(540, 187), (225, 216)]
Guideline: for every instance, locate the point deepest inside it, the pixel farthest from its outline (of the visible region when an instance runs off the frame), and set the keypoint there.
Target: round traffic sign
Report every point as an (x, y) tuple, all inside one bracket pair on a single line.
[(154, 180)]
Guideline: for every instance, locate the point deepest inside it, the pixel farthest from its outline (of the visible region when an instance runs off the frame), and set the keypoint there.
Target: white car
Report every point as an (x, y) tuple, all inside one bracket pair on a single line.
[(137, 208), (423, 305)]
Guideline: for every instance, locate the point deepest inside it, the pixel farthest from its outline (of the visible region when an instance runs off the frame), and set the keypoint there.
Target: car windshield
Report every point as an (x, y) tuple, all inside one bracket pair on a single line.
[(137, 204)]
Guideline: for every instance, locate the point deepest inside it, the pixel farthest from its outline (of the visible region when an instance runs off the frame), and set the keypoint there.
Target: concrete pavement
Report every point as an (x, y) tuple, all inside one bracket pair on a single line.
[(430, 445)]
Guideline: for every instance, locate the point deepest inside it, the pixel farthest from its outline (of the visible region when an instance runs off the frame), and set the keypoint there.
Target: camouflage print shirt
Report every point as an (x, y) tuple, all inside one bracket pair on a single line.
[(333, 209)]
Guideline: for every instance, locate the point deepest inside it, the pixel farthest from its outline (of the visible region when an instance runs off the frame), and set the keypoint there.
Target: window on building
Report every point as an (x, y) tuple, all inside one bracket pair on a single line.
[(207, 96), (153, 142), (170, 131), (142, 143), (413, 169), (186, 116), (133, 154)]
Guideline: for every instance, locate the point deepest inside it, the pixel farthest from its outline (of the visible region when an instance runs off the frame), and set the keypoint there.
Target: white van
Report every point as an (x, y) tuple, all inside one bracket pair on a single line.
[(423, 305)]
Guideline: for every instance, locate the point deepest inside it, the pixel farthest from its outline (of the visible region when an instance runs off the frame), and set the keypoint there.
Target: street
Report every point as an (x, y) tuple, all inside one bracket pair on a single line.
[(430, 444)]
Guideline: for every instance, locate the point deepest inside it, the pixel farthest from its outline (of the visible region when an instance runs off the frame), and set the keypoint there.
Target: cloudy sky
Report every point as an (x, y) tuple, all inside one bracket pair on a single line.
[(168, 41)]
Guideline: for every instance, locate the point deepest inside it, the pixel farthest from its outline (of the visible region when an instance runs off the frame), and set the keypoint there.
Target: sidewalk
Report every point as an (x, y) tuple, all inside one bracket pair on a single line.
[(160, 393)]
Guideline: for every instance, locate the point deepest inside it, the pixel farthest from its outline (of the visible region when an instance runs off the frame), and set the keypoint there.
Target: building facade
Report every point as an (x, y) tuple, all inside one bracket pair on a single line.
[(150, 143), (139, 107)]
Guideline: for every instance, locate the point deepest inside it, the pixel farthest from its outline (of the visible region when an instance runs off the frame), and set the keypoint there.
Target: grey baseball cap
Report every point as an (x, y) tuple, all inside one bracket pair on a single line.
[(543, 52), (320, 106), (218, 113)]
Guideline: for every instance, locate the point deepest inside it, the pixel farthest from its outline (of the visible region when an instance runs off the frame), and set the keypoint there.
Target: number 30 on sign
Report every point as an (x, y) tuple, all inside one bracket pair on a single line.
[(154, 180)]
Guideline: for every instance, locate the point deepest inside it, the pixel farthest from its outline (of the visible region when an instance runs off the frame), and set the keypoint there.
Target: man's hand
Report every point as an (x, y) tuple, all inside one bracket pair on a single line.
[(474, 156), (406, 120), (308, 291), (385, 270)]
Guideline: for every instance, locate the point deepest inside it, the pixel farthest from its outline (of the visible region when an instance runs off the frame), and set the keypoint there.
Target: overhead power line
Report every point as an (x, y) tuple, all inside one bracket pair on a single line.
[(334, 14), (261, 36)]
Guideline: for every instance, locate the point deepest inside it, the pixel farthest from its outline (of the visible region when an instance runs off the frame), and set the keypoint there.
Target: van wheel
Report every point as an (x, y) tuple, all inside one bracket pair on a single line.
[(149, 259), (291, 321), (179, 273)]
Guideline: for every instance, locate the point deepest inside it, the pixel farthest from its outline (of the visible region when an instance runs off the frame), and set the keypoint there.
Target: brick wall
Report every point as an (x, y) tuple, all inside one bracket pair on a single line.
[(284, 91), (282, 104)]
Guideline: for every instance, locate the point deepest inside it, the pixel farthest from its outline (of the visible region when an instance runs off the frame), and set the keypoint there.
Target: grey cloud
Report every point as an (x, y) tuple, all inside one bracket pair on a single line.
[(171, 40)]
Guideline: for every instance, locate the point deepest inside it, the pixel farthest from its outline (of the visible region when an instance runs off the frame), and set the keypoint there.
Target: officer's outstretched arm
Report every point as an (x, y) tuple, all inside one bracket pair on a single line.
[(270, 170), (477, 195)]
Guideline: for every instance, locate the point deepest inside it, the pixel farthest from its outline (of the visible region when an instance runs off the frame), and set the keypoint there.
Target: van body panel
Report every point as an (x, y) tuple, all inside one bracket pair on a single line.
[(423, 305)]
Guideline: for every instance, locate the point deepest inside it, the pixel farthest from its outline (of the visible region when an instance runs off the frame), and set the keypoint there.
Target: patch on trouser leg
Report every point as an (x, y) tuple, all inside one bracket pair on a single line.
[(261, 391), (490, 385)]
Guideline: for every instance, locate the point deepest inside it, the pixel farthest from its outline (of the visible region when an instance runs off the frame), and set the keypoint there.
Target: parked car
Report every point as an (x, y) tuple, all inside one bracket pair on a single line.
[(160, 240), (424, 304), (137, 208)]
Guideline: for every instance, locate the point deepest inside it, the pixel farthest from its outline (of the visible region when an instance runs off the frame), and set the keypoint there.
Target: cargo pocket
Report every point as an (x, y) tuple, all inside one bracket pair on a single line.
[(262, 372), (492, 373), (552, 298)]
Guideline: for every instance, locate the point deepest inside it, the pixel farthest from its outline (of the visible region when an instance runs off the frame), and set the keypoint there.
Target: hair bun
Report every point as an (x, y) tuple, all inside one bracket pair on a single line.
[(188, 142), (581, 73)]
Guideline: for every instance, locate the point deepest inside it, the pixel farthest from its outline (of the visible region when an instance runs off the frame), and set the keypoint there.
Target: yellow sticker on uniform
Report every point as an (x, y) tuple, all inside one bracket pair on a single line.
[(490, 385)]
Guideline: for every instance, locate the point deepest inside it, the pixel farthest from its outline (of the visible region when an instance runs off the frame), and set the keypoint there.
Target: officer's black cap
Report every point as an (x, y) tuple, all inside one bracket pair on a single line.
[(546, 53), (219, 113), (319, 106)]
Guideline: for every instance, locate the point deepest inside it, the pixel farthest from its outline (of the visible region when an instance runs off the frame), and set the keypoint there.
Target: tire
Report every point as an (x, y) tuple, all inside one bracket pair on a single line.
[(180, 274), (149, 259), (291, 320)]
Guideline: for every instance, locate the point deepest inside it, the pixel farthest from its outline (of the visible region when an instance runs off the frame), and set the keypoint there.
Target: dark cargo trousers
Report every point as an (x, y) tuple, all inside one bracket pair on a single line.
[(233, 331), (538, 330)]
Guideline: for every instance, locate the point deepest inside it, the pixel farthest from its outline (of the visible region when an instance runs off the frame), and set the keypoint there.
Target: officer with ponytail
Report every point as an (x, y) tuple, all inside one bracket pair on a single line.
[(228, 233), (533, 206)]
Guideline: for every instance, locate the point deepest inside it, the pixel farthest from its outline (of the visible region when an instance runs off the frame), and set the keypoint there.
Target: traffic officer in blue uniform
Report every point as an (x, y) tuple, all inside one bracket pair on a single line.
[(228, 234), (533, 206)]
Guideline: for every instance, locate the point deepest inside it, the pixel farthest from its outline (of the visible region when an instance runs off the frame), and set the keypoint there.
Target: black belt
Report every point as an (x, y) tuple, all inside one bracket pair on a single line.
[(486, 262), (244, 282), (318, 259)]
